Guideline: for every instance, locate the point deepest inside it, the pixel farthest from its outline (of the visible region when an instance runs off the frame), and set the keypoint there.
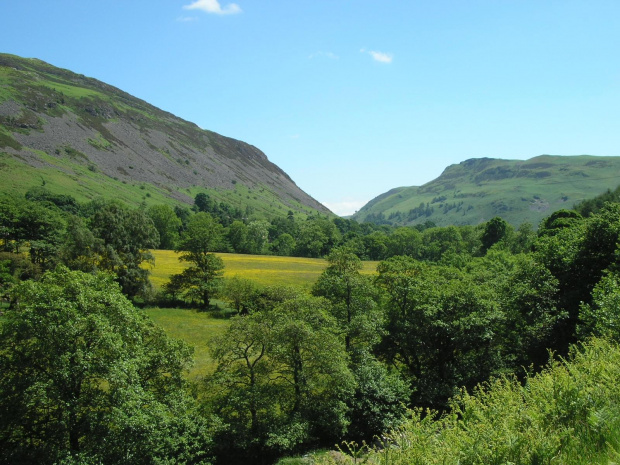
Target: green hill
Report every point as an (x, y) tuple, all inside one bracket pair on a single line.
[(80, 136), (478, 189)]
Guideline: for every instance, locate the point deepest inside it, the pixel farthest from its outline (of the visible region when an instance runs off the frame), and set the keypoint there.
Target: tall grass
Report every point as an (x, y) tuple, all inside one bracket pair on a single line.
[(567, 414)]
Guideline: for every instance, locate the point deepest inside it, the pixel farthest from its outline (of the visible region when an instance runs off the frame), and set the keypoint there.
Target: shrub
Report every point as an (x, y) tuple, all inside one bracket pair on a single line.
[(568, 413)]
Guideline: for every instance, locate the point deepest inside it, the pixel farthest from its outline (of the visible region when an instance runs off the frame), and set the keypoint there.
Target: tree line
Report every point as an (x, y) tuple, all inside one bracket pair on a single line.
[(107, 235)]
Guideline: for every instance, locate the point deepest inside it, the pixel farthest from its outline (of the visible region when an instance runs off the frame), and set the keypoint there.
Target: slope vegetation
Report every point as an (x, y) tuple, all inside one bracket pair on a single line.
[(83, 137), (478, 189)]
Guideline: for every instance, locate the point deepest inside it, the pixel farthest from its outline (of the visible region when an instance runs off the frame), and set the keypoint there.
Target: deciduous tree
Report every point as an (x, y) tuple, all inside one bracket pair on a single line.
[(87, 378), (167, 224), (127, 236), (203, 278), (282, 379), (240, 292), (494, 231), (443, 328), (353, 297)]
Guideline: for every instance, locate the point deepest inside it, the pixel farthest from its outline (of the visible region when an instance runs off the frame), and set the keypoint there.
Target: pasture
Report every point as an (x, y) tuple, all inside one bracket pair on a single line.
[(198, 328), (265, 270), (194, 327)]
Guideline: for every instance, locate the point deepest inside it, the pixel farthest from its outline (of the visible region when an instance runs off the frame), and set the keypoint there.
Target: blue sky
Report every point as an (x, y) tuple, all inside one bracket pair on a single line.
[(352, 97)]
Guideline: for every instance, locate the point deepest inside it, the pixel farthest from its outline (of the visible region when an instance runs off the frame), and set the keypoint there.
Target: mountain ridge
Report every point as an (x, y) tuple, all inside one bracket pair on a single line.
[(477, 189), (55, 121)]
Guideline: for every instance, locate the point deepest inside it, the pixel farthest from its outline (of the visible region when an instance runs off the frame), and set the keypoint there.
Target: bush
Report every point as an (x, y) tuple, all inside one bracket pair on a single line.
[(568, 413)]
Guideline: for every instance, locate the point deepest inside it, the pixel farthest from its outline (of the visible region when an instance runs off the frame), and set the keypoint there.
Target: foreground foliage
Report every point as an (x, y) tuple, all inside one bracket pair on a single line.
[(568, 413), (87, 378), (282, 380)]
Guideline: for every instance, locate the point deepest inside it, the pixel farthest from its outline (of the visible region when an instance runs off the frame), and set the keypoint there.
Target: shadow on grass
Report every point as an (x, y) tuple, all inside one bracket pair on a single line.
[(217, 309), (220, 313)]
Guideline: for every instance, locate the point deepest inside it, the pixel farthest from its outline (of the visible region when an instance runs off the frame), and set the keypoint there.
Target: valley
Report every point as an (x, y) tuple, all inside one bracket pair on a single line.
[(169, 295)]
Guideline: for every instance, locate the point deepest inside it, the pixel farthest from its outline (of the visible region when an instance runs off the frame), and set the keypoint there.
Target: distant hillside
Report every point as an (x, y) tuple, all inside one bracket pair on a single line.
[(478, 189), (80, 136)]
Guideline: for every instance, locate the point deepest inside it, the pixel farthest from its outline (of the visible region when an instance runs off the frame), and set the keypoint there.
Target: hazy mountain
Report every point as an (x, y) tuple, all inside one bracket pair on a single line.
[(83, 137), (478, 189)]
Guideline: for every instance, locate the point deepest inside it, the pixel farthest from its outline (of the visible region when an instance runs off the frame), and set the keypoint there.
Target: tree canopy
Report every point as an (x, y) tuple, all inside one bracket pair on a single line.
[(203, 278), (86, 377)]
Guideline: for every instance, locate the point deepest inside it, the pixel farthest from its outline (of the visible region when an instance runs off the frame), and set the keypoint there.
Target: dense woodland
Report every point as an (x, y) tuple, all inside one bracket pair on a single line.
[(88, 378)]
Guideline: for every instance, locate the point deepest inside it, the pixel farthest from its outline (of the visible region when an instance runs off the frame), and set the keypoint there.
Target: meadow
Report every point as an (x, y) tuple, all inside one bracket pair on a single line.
[(197, 328), (265, 270)]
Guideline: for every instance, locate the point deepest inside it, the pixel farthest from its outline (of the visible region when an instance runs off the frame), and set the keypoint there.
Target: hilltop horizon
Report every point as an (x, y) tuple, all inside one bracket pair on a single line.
[(380, 94)]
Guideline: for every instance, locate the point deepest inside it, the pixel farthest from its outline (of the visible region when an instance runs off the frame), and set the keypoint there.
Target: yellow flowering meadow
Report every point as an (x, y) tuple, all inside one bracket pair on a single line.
[(265, 270)]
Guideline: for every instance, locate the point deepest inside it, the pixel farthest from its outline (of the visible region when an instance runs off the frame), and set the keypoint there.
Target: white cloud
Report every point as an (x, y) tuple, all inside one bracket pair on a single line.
[(345, 207), (214, 7), (381, 57), (330, 55)]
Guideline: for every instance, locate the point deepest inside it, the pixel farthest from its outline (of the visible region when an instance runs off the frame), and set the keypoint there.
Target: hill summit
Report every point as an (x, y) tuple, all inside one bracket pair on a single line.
[(80, 136), (478, 189)]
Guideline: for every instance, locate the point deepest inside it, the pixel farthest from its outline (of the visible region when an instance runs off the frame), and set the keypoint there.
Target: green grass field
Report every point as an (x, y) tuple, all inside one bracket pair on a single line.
[(194, 327), (198, 328), (265, 270)]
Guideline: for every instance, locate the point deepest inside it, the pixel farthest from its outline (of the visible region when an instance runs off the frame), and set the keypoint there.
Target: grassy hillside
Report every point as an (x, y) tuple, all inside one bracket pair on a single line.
[(82, 137), (476, 190)]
